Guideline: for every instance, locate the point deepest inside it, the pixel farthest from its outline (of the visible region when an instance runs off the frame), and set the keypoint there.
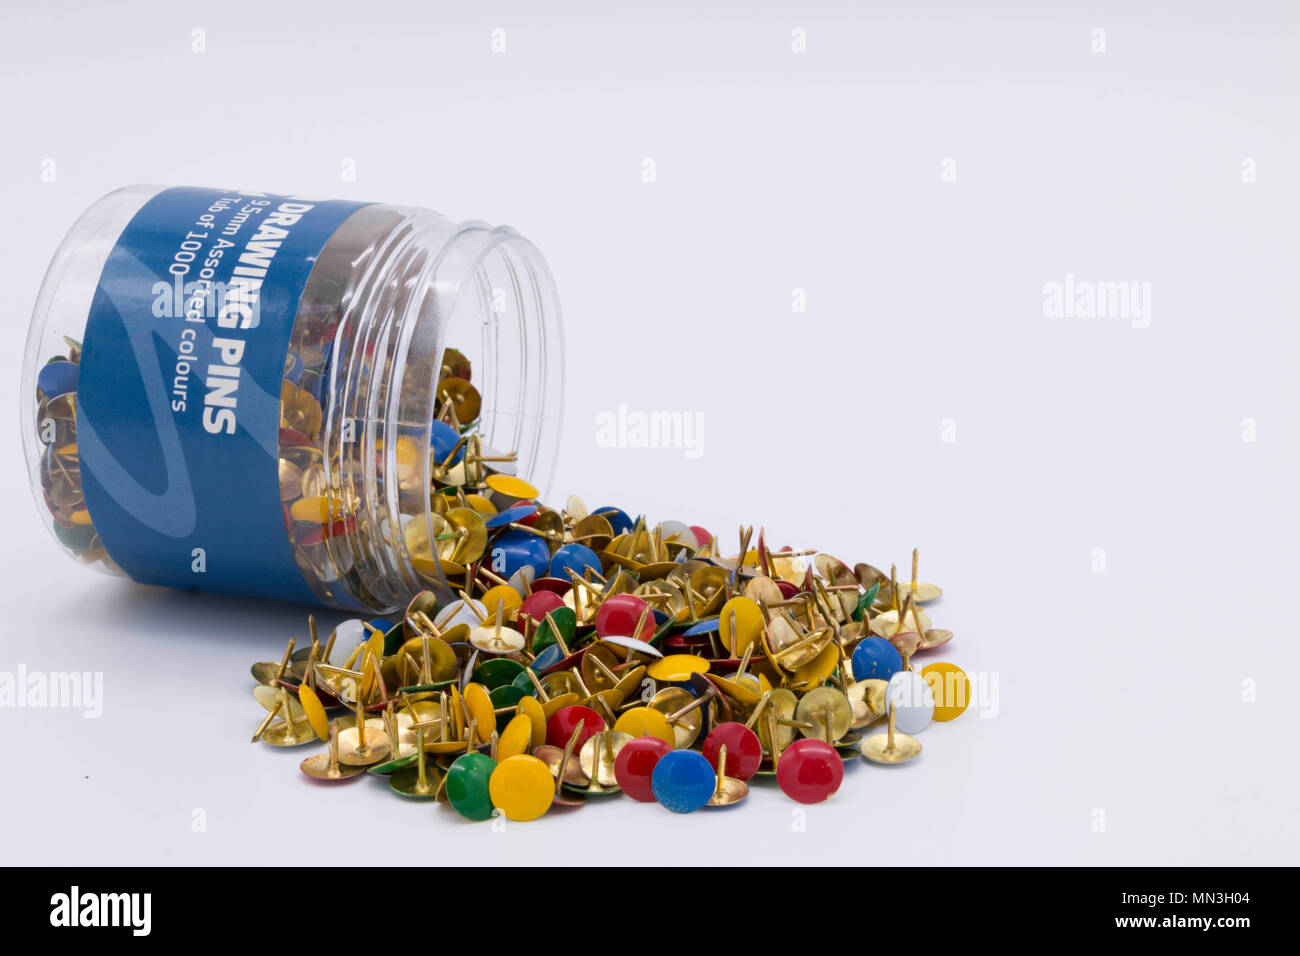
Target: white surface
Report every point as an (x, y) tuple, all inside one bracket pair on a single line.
[(1120, 691)]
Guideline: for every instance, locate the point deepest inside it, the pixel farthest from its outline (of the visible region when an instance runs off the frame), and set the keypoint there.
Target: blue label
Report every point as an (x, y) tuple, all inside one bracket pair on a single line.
[(178, 404)]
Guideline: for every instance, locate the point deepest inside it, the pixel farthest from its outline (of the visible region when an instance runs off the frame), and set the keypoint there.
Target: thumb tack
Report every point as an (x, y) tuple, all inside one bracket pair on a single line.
[(591, 653), (737, 748), (875, 657), (951, 690), (909, 697), (728, 791), (419, 782), (326, 767), (810, 771), (683, 781), (293, 730), (563, 764), (521, 787), (635, 766), (893, 746), (467, 786), (599, 755)]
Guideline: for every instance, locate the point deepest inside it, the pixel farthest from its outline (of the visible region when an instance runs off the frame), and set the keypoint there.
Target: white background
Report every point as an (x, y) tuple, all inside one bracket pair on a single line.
[(1124, 691)]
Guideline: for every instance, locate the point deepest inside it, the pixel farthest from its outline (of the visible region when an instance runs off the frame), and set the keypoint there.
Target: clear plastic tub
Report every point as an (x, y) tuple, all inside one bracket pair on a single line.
[(375, 315)]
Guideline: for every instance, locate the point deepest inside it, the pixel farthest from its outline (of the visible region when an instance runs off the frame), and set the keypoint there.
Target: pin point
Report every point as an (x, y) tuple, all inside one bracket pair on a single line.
[(504, 596), (922, 591), (562, 763), (536, 606), (268, 672), (515, 514), (272, 698), (464, 538), (683, 781)]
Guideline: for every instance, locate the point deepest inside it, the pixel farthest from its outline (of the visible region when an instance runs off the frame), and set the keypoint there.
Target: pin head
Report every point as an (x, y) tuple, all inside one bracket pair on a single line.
[(314, 711), (740, 624), (510, 487), (522, 787), (678, 668), (514, 549), (875, 657), (950, 687), (635, 765), (827, 711), (517, 737), (910, 696), (577, 558), (744, 752), (445, 445), (645, 722), (564, 721), (683, 781), (810, 770), (619, 614), (467, 786), (536, 606)]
